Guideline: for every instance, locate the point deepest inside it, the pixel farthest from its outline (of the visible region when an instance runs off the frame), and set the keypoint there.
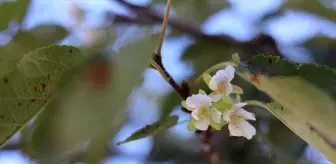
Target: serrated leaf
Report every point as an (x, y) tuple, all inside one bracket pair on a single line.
[(301, 97), (12, 11), (320, 75), (25, 41), (29, 87), (152, 130)]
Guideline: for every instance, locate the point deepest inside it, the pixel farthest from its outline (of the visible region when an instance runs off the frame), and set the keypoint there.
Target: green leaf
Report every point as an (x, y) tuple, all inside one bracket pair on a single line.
[(305, 129), (191, 125), (152, 130), (319, 75), (12, 11), (132, 61), (29, 87), (25, 41), (295, 88), (207, 77)]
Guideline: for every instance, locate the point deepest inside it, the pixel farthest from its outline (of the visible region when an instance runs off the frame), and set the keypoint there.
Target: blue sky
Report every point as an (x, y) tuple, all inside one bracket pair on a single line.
[(237, 22)]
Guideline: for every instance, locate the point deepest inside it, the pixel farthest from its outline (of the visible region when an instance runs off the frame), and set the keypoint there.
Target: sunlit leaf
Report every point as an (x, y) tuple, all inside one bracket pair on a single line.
[(29, 87), (152, 130)]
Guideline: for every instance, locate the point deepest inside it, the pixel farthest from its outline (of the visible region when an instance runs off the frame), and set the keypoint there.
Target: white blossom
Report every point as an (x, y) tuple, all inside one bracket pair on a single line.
[(202, 111), (236, 118), (220, 83)]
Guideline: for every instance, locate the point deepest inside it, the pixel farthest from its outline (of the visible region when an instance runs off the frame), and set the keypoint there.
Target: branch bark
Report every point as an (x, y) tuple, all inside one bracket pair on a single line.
[(262, 43)]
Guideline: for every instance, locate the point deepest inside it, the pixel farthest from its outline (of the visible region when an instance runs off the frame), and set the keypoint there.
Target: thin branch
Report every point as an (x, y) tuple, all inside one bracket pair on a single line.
[(146, 16), (163, 29)]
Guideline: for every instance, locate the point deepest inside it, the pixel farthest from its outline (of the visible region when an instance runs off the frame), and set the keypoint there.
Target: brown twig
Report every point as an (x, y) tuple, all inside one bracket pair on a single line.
[(145, 16)]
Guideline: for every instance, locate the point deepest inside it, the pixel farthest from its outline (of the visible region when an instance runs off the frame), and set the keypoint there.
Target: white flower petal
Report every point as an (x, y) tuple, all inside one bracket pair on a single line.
[(239, 105), (213, 84), (229, 71), (220, 75), (198, 100), (235, 131), (245, 114), (202, 124), (216, 115), (242, 128), (194, 114), (226, 116), (228, 89), (215, 96)]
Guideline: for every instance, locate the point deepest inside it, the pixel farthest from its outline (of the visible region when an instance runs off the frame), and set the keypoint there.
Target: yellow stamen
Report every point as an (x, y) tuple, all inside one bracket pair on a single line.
[(203, 112)]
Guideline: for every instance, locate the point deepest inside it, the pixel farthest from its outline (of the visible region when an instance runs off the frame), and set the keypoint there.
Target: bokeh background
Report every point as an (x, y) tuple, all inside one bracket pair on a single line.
[(201, 34)]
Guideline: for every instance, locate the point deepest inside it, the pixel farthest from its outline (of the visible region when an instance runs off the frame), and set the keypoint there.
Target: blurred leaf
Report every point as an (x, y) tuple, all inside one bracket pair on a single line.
[(169, 103), (152, 130), (282, 137), (25, 41), (195, 11), (15, 10), (322, 49), (313, 6), (131, 63), (29, 87), (205, 53), (307, 104)]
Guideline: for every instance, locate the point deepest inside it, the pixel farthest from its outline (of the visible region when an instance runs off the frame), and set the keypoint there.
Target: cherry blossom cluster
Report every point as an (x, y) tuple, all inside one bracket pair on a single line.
[(218, 108)]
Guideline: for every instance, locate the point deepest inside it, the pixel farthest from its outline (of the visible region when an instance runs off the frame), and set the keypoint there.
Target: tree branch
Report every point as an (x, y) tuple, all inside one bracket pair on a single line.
[(145, 16)]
